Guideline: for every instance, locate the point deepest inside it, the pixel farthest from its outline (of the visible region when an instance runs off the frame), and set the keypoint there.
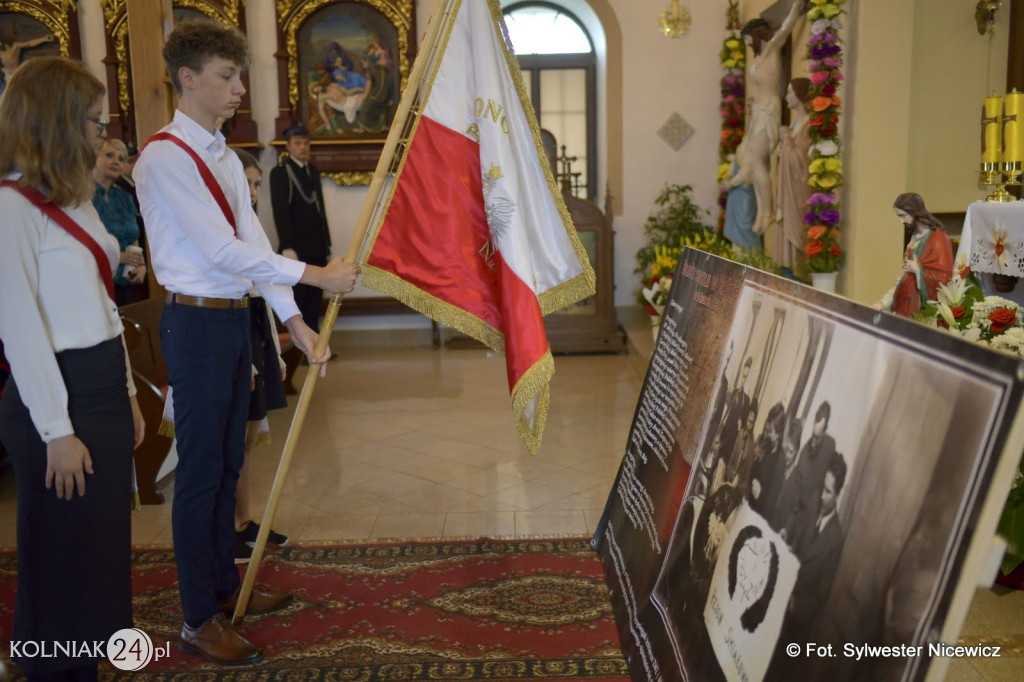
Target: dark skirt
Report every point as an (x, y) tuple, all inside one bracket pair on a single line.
[(269, 392), (74, 556)]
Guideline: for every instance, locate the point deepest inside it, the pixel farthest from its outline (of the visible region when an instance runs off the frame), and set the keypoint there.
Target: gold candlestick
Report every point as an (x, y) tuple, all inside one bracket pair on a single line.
[(991, 174), (1012, 170)]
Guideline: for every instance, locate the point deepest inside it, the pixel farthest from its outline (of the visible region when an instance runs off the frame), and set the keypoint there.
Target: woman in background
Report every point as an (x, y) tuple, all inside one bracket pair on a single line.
[(267, 389), (68, 416), (119, 214)]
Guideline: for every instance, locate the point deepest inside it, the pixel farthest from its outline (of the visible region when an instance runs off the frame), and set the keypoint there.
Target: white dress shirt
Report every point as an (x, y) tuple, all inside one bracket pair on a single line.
[(193, 248), (51, 299)]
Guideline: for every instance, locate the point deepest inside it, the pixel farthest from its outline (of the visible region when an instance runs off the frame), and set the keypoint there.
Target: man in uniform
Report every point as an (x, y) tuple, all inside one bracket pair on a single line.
[(298, 202)]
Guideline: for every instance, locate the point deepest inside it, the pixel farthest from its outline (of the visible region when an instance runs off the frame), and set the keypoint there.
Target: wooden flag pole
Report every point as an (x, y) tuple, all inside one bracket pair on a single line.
[(428, 50)]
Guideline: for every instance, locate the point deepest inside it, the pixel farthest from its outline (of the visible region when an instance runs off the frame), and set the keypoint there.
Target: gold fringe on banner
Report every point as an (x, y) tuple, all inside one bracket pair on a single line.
[(262, 439), (433, 307), (535, 382), (166, 428)]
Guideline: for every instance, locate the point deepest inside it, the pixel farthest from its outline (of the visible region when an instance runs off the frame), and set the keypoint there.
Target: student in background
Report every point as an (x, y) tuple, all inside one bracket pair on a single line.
[(68, 416), (267, 389)]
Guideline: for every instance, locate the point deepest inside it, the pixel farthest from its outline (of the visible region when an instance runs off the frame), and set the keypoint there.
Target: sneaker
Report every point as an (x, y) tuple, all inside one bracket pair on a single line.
[(243, 552), (252, 529)]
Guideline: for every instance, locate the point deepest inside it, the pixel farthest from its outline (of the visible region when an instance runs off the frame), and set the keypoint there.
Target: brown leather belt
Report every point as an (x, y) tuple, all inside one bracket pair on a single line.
[(206, 302)]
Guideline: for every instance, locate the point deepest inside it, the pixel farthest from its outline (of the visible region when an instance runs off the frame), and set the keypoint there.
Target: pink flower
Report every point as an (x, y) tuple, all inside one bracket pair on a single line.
[(819, 77), (832, 62)]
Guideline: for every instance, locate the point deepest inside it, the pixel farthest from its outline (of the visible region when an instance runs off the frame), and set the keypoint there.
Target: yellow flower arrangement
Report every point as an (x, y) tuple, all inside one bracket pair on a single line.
[(666, 258)]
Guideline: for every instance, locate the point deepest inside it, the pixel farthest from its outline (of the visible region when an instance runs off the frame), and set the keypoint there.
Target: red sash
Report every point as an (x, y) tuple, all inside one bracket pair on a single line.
[(205, 173), (54, 213)]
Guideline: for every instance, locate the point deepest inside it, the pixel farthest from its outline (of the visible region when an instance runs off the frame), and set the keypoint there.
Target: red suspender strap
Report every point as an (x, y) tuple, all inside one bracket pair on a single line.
[(205, 173), (69, 225)]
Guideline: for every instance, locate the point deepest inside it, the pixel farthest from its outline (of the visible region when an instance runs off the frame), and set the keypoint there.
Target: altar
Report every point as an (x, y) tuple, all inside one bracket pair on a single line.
[(992, 246)]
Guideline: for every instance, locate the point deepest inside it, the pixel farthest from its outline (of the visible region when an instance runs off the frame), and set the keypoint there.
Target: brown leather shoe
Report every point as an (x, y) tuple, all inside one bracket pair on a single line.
[(260, 602), (217, 641)]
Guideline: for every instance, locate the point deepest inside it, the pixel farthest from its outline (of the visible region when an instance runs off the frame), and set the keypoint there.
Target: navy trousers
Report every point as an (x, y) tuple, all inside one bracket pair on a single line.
[(208, 354)]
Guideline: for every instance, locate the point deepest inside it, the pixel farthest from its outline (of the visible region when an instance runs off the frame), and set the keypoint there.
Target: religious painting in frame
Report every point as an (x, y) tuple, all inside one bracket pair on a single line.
[(345, 64), (36, 28), (240, 130)]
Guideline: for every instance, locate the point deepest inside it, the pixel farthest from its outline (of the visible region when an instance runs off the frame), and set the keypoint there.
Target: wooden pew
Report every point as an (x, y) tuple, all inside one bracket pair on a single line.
[(142, 339)]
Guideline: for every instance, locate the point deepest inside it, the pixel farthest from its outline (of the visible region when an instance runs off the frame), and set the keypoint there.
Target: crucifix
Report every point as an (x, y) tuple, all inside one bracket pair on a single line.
[(569, 180)]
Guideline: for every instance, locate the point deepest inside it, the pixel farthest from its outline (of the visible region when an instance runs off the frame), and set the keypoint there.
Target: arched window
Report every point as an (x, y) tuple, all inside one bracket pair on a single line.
[(557, 58)]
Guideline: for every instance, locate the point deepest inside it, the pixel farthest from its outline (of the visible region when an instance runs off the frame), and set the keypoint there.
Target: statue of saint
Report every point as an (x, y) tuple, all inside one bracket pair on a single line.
[(764, 110), (793, 190), (927, 260), (10, 56)]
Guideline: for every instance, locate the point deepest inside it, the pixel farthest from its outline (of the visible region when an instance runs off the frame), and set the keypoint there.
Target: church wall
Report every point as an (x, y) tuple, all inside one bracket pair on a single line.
[(947, 88), (876, 143), (662, 76)]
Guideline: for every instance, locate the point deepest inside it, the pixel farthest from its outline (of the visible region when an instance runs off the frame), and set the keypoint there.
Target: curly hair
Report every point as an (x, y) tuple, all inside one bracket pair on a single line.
[(44, 128), (193, 43)]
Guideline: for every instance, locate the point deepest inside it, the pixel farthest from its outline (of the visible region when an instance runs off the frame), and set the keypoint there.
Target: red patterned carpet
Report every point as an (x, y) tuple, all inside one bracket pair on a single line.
[(479, 610)]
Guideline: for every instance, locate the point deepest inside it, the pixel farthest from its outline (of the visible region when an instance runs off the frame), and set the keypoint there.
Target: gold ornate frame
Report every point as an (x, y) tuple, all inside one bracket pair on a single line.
[(230, 13), (345, 160), (60, 17)]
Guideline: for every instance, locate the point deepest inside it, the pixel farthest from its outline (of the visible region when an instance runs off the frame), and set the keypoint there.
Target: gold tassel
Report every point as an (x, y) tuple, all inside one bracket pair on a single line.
[(262, 439), (166, 428)]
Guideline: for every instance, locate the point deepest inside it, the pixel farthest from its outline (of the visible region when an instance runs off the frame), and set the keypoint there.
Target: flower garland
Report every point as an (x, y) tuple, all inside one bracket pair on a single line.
[(733, 107), (825, 54)]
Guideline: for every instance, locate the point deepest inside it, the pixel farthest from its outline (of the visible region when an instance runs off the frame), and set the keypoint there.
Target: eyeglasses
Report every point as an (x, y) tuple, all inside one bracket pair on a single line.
[(100, 123)]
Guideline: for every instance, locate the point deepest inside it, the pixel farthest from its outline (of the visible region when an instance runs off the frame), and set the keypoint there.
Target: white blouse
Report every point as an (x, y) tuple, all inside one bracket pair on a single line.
[(51, 300), (193, 248)]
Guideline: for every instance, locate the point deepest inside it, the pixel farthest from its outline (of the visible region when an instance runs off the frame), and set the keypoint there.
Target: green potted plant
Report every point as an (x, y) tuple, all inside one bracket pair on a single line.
[(667, 229)]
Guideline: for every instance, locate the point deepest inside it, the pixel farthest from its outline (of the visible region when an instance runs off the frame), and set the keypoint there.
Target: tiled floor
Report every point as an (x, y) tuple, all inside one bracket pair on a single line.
[(409, 442)]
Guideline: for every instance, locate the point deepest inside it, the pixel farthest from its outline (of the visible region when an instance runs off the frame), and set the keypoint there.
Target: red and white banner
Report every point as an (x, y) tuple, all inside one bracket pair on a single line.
[(474, 232)]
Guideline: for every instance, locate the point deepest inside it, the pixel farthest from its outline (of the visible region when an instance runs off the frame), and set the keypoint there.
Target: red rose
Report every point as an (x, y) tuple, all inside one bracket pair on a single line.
[(957, 310), (942, 323), (813, 248), (828, 90), (835, 250), (827, 131), (1002, 318), (817, 120)]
